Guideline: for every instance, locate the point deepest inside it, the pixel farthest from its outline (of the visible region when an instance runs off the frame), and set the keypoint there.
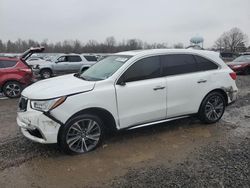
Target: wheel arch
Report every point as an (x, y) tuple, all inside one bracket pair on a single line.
[(85, 67), (107, 118), (10, 80), (46, 68), (219, 90)]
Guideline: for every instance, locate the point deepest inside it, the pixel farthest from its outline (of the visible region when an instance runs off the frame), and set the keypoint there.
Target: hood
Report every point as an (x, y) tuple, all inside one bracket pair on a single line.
[(57, 87)]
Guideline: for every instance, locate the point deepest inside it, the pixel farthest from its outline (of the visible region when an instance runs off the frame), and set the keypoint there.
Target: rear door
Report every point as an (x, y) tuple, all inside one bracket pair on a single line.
[(186, 84), (141, 93), (75, 63)]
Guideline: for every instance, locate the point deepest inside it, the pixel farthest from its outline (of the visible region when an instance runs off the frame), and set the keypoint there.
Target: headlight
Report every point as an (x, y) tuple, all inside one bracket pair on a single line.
[(46, 105)]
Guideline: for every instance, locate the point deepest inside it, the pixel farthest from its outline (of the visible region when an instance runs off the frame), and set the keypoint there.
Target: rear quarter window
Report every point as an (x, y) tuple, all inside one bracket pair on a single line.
[(7, 64), (90, 58), (205, 64)]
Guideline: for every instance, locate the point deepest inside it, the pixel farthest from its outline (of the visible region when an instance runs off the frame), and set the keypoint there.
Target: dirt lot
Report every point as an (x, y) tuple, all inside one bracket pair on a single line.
[(183, 153)]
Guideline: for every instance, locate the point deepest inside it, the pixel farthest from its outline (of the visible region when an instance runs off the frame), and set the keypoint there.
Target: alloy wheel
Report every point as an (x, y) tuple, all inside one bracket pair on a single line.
[(46, 74), (83, 135), (13, 90), (214, 108)]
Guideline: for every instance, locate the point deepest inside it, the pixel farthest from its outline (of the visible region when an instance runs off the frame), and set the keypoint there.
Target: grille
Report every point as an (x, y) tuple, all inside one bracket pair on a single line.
[(22, 106)]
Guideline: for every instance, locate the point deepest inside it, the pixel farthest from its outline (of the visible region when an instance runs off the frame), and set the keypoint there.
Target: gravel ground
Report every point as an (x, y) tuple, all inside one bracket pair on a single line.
[(216, 166)]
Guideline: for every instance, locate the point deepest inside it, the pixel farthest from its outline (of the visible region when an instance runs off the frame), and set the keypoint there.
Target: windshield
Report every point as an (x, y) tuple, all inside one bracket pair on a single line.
[(104, 68), (244, 58)]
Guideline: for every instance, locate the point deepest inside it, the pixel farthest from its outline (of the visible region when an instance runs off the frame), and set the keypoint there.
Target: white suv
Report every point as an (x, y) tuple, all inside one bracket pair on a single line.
[(124, 91)]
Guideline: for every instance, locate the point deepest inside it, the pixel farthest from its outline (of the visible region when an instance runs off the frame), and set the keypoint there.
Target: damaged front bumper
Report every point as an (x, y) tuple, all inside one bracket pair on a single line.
[(37, 127)]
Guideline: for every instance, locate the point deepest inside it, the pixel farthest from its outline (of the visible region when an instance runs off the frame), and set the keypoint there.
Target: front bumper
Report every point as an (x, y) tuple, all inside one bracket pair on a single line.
[(38, 127)]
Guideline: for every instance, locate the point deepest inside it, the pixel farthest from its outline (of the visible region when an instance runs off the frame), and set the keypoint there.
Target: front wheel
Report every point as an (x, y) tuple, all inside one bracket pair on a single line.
[(81, 134), (212, 108)]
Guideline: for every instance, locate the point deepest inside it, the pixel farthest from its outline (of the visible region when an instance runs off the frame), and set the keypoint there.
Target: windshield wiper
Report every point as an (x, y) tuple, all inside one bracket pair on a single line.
[(76, 75)]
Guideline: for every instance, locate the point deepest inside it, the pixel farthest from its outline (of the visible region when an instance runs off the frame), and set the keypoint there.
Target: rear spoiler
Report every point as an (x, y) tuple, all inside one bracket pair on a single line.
[(31, 51)]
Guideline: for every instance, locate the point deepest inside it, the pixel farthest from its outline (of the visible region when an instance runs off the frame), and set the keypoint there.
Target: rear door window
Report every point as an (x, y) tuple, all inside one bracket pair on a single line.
[(7, 64), (205, 64), (143, 69), (74, 58), (175, 64)]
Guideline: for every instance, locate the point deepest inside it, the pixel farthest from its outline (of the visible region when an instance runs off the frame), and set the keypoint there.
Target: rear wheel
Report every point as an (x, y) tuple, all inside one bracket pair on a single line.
[(212, 107), (46, 73), (81, 134), (12, 89)]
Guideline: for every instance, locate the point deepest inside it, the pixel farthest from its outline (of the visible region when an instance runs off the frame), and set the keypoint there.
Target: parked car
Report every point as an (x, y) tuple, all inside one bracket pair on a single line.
[(91, 60), (62, 64), (34, 59), (241, 64), (125, 91), (15, 74), (228, 56)]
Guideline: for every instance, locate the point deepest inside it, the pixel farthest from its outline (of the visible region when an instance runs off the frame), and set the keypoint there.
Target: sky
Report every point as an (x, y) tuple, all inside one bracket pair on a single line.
[(161, 21)]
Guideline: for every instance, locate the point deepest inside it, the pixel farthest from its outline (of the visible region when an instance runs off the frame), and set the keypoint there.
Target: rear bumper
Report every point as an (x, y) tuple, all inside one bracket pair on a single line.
[(231, 94)]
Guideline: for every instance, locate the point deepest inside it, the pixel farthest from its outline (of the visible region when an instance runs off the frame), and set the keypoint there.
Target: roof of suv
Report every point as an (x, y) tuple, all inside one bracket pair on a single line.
[(158, 51)]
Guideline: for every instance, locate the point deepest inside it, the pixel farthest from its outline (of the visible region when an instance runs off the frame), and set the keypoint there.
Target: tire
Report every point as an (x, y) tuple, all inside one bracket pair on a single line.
[(75, 138), (212, 107), (46, 73), (12, 89)]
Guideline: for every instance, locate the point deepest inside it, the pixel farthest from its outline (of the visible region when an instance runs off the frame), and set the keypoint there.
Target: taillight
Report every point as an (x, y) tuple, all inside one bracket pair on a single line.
[(26, 70), (233, 75)]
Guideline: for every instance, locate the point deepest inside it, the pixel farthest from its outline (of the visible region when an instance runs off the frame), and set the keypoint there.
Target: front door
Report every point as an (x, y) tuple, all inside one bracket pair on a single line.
[(62, 65), (141, 93)]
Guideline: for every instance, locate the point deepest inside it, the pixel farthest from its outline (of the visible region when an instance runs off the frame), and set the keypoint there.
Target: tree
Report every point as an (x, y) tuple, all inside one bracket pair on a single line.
[(2, 46), (110, 41), (179, 46), (232, 41), (134, 44)]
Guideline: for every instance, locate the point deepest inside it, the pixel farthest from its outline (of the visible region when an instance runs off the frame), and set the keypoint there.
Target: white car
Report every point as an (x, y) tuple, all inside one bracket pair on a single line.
[(124, 91)]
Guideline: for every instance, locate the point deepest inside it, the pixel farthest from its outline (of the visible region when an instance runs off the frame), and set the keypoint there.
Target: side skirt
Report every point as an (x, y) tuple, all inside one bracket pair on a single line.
[(155, 122)]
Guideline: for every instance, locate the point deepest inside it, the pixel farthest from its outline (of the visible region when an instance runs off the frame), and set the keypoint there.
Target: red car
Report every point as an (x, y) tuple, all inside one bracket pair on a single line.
[(15, 73), (241, 64)]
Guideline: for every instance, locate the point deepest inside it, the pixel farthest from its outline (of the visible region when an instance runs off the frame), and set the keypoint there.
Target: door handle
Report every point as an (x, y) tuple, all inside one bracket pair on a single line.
[(201, 81), (159, 87)]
